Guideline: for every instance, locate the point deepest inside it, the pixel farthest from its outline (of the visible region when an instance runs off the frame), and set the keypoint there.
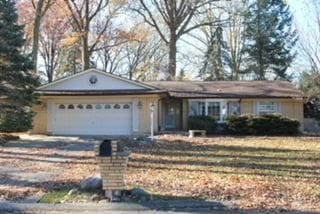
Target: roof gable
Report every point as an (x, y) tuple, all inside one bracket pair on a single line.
[(91, 80)]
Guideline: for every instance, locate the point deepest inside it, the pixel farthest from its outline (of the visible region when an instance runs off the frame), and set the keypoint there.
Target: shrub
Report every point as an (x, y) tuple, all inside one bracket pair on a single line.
[(311, 109), (237, 124), (15, 121), (203, 123), (262, 125)]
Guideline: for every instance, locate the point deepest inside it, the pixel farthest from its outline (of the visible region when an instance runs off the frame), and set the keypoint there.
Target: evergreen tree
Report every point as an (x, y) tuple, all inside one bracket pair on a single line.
[(182, 75), (269, 39), (16, 81), (216, 55)]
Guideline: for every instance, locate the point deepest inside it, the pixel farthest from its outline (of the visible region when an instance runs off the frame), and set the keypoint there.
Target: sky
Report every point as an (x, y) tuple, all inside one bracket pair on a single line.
[(302, 17)]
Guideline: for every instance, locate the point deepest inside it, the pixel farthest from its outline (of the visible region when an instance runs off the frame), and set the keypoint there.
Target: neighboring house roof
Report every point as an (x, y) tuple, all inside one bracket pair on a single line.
[(228, 89)]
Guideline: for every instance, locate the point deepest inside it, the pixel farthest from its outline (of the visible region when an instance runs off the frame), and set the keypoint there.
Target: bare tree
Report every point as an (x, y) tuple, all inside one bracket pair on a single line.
[(309, 38), (84, 14), (177, 17), (140, 52), (54, 28), (235, 35), (41, 7)]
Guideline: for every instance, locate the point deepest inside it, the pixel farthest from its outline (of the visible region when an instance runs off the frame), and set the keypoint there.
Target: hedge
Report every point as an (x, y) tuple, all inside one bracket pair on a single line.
[(262, 125), (15, 121), (202, 123)]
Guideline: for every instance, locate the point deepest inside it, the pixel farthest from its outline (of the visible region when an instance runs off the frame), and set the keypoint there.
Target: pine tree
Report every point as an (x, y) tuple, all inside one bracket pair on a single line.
[(269, 39), (216, 55), (16, 81), (182, 75)]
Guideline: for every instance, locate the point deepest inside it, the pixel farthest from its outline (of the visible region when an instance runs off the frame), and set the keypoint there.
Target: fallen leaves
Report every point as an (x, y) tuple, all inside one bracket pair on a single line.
[(253, 172)]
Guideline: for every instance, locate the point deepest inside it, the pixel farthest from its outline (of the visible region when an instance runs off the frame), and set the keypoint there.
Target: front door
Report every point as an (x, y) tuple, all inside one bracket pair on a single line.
[(172, 117)]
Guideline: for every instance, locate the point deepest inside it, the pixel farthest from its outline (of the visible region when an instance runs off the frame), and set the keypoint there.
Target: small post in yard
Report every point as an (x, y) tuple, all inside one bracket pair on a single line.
[(152, 106)]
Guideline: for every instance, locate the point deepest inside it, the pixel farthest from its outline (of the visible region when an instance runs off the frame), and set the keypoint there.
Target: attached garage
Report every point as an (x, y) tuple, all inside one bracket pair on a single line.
[(92, 119), (95, 103)]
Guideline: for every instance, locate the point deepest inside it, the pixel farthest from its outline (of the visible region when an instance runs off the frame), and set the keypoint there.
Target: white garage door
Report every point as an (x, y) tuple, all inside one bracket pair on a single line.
[(92, 119)]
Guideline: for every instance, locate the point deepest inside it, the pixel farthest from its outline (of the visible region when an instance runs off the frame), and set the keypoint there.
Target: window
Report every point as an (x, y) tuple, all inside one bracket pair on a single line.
[(201, 108), (214, 110), (70, 106), (107, 106), (197, 108), (267, 107), (116, 106), (98, 106), (234, 108), (80, 106), (89, 106), (126, 106), (61, 106)]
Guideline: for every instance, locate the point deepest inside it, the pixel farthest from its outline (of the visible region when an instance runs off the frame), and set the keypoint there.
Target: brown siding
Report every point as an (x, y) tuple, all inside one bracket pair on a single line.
[(247, 106), (145, 117), (40, 120), (292, 109), (288, 108)]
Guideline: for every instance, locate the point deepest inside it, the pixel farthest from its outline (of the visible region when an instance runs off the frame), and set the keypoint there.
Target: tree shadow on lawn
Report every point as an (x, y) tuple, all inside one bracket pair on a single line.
[(178, 155), (198, 205), (52, 158), (82, 145), (50, 155), (211, 154)]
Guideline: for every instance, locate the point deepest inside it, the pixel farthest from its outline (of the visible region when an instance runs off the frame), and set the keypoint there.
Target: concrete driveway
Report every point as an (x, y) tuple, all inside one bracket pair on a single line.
[(37, 164)]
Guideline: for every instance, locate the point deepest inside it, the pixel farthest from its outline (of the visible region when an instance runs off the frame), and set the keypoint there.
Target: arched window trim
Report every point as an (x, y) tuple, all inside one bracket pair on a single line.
[(89, 106), (70, 107), (61, 106)]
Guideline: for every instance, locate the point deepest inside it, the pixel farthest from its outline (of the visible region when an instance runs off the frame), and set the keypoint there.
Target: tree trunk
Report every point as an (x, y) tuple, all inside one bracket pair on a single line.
[(35, 36), (172, 57), (85, 55)]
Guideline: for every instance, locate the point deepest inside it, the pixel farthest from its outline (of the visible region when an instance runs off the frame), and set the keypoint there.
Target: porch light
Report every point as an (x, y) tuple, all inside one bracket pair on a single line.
[(139, 105), (152, 106)]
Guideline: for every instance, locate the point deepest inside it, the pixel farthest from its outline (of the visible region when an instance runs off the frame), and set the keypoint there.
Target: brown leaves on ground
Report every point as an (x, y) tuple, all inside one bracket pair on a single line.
[(4, 138), (252, 172), (26, 170)]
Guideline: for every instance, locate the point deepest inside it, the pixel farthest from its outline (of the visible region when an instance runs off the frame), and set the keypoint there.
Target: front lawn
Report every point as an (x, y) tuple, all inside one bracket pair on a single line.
[(252, 172)]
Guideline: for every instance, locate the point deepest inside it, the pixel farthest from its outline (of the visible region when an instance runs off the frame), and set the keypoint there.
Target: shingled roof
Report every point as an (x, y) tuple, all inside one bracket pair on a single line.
[(228, 89)]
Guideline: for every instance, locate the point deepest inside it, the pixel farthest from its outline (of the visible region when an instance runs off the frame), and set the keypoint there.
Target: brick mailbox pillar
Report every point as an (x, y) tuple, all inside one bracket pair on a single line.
[(113, 164)]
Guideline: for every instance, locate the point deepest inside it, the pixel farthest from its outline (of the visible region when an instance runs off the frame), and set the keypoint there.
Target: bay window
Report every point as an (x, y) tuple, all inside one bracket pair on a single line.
[(214, 108)]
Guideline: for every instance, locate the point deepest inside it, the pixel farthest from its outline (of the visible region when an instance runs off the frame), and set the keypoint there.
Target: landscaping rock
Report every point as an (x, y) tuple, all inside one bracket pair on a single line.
[(140, 194), (103, 201), (95, 197), (92, 184), (73, 191)]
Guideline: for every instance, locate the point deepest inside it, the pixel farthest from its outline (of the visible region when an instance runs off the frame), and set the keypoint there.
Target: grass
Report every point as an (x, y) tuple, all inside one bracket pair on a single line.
[(59, 196), (54, 196), (252, 172)]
